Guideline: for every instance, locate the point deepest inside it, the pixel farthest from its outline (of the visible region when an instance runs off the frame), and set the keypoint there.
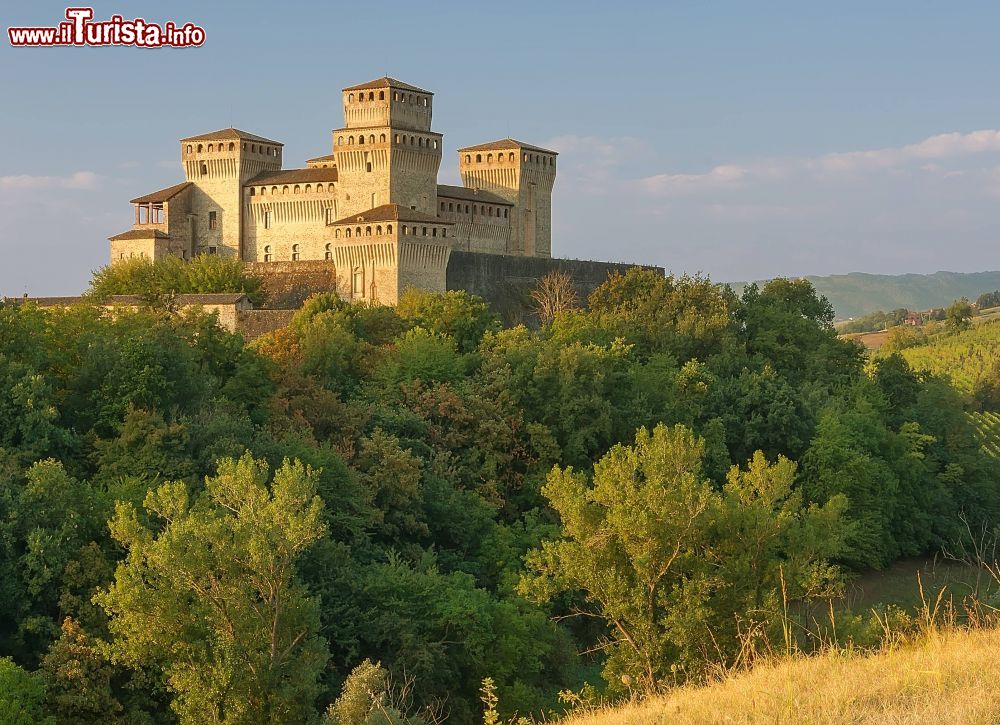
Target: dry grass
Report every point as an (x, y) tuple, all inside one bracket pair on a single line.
[(950, 676)]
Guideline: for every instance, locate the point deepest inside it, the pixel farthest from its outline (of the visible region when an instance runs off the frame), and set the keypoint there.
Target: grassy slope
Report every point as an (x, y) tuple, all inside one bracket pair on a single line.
[(857, 294), (950, 677)]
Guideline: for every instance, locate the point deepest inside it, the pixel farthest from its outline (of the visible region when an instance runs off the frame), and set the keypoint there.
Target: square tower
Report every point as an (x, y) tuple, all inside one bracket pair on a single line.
[(386, 152), (218, 164), (523, 175)]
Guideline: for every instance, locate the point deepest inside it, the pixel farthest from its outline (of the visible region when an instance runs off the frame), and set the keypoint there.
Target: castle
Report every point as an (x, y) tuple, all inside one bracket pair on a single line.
[(372, 210)]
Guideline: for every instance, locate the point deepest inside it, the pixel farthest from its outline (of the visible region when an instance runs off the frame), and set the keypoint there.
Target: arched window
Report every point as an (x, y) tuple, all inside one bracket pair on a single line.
[(381, 95), (199, 148), (328, 254), (368, 231), (491, 211), (444, 232), (371, 139), (263, 190), (297, 189), (361, 139), (420, 142), (295, 252), (489, 158), (511, 157), (350, 140), (425, 101), (189, 148), (388, 228), (468, 158), (210, 148), (351, 98), (442, 206), (413, 141), (252, 191), (340, 140), (308, 188), (347, 233), (395, 137), (267, 253), (423, 231), (411, 98), (505, 212), (253, 148), (274, 190), (378, 231), (395, 95), (466, 208), (381, 138), (479, 158), (357, 231), (232, 146), (435, 143), (336, 234), (371, 95), (204, 169), (284, 189), (434, 231), (526, 158)]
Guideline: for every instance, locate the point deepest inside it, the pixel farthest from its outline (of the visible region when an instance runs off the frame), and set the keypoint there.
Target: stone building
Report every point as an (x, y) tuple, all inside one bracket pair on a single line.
[(372, 209)]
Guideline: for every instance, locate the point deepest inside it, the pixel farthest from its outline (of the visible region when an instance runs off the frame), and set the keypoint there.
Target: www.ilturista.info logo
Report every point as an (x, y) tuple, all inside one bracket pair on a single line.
[(80, 29)]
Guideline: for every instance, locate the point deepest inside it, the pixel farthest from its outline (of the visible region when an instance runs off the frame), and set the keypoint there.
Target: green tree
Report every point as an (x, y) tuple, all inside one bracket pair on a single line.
[(666, 560), (211, 594), (157, 281), (22, 696), (958, 314)]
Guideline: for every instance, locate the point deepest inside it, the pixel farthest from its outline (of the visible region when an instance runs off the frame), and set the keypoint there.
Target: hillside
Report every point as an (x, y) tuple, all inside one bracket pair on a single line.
[(858, 293), (949, 677)]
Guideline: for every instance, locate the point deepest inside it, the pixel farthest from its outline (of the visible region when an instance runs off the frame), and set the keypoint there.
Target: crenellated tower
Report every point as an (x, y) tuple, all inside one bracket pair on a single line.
[(386, 152), (523, 175), (218, 164)]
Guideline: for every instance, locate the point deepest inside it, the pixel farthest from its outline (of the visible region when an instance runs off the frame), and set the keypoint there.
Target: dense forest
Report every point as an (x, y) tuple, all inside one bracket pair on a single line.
[(363, 517)]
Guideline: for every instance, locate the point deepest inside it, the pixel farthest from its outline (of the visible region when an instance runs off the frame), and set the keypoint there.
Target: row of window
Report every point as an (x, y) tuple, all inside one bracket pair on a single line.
[(295, 189), (528, 159), (396, 96), (484, 210), (269, 256), (265, 150), (401, 139)]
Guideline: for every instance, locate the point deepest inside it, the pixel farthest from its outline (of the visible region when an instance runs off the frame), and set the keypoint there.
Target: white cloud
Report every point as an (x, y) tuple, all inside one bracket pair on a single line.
[(929, 156), (82, 180)]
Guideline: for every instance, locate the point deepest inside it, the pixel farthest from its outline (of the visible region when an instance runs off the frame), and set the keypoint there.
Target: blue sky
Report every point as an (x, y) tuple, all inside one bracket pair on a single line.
[(742, 140)]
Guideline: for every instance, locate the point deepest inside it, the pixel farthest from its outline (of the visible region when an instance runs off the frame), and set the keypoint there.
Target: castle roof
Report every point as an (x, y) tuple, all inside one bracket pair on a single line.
[(328, 157), (387, 82), (162, 194), (147, 233), (391, 213), (508, 143), (294, 176), (231, 133), (464, 192)]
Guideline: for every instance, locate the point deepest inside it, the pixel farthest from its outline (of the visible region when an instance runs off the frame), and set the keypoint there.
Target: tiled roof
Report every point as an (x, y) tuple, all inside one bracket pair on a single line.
[(508, 143), (140, 234), (217, 298), (162, 194), (389, 213), (328, 157), (387, 82), (463, 192), (228, 133), (294, 176)]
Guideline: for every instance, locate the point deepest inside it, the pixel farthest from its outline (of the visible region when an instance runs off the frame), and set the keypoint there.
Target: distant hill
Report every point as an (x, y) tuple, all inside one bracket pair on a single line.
[(858, 293)]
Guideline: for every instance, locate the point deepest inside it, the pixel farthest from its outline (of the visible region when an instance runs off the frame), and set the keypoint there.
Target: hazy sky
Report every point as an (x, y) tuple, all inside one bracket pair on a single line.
[(743, 140)]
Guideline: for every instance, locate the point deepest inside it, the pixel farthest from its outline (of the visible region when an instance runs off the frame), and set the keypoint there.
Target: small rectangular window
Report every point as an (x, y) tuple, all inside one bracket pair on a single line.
[(213, 221), (267, 220), (213, 250)]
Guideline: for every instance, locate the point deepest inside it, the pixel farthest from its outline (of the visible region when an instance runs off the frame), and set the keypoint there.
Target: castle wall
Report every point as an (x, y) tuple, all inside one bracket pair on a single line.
[(278, 218), (506, 281), (289, 284)]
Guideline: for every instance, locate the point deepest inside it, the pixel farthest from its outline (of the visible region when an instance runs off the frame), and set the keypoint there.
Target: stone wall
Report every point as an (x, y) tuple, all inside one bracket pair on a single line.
[(254, 323), (288, 284), (506, 281)]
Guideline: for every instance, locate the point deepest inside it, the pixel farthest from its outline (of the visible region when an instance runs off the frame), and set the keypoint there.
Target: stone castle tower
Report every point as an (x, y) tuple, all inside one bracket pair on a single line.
[(372, 209)]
